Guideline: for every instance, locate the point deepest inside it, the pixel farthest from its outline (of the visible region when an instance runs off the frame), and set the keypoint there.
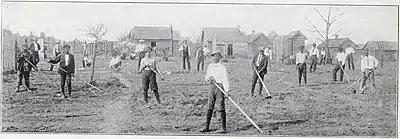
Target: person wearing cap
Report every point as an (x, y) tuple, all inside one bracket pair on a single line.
[(184, 48), (340, 64), (148, 68), (24, 67), (301, 65), (216, 74), (35, 48), (140, 50), (368, 66), (66, 69), (260, 63), (56, 52), (350, 60), (200, 56), (314, 54)]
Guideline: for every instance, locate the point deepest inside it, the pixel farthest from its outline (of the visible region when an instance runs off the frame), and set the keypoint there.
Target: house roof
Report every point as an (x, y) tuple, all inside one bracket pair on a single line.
[(272, 33), (156, 33), (382, 45), (296, 33), (253, 37), (223, 34), (334, 43)]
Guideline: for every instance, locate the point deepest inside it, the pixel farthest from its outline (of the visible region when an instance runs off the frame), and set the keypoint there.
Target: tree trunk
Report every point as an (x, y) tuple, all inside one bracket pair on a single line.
[(94, 64)]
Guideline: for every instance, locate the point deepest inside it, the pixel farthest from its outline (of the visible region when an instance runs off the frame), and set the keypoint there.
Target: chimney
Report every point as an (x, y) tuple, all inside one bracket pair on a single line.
[(336, 36), (253, 31)]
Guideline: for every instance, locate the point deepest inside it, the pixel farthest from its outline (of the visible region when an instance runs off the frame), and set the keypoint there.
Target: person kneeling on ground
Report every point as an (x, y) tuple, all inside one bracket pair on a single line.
[(115, 61), (24, 67), (216, 75), (148, 68), (87, 61), (66, 69)]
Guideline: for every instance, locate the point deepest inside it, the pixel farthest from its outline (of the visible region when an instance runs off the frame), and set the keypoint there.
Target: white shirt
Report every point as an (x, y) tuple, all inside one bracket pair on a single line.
[(267, 52), (301, 57), (314, 51), (88, 60), (140, 47), (36, 46), (218, 71), (349, 50), (341, 57), (114, 61), (206, 51), (66, 59), (323, 52), (369, 62)]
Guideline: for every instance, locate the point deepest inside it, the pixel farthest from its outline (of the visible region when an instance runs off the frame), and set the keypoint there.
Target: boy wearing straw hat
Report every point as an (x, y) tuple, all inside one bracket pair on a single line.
[(260, 63), (301, 65), (66, 69), (216, 74)]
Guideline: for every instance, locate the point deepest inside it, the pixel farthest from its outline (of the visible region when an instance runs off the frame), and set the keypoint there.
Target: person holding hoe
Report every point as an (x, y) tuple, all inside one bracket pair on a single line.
[(340, 64), (66, 69), (301, 65), (216, 75), (148, 68), (368, 66), (24, 67), (259, 65)]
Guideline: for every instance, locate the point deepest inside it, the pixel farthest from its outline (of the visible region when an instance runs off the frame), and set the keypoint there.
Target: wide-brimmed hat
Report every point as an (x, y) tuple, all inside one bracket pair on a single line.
[(261, 48), (216, 52), (314, 44), (141, 40)]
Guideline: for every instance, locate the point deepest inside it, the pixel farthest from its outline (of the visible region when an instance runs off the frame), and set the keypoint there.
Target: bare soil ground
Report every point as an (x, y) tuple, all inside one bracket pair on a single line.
[(320, 109)]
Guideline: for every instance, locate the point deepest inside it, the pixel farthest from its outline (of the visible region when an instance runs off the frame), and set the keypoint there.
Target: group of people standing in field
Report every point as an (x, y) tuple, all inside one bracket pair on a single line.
[(368, 64), (216, 73)]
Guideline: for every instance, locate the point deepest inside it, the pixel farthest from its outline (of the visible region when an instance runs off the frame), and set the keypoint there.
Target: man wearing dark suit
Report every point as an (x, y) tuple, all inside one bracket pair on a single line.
[(66, 70), (24, 67), (260, 63), (35, 48)]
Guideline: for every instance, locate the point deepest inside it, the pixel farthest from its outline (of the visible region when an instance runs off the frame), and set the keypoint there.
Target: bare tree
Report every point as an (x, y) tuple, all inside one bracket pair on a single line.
[(324, 35), (124, 36), (96, 32)]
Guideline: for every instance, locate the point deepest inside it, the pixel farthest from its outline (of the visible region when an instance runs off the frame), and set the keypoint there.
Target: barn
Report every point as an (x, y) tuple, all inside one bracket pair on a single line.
[(255, 40), (161, 37), (337, 42), (230, 42), (383, 50), (286, 45)]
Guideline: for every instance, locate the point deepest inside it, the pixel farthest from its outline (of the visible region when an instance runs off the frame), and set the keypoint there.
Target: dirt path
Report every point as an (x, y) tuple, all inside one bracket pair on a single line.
[(116, 113)]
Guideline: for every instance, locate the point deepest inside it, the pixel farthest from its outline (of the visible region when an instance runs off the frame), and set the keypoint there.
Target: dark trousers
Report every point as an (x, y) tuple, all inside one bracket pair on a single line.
[(323, 60), (141, 56), (254, 81), (149, 80), (25, 75), (36, 57), (368, 74), (302, 68), (215, 95), (350, 61), (200, 62), (184, 60), (336, 69), (313, 66), (51, 65), (66, 78)]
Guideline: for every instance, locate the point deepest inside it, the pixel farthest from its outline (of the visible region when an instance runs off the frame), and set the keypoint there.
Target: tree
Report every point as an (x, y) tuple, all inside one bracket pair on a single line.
[(329, 20), (96, 32)]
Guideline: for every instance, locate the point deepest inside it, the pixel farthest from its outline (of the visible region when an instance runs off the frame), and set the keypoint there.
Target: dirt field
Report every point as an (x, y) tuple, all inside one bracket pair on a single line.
[(321, 109)]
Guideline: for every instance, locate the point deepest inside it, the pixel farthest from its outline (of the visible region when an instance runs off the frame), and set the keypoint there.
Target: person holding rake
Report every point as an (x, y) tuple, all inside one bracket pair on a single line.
[(148, 68), (66, 69), (340, 64), (259, 64), (217, 77), (24, 67), (301, 65), (368, 66)]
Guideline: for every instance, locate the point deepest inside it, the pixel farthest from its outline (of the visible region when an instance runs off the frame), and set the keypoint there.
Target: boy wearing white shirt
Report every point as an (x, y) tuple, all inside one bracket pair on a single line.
[(323, 57), (216, 74), (185, 55), (349, 52), (368, 65), (340, 57), (314, 54), (301, 65)]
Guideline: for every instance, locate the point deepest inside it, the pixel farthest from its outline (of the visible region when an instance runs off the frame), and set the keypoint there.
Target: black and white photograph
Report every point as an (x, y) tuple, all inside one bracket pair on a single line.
[(199, 69)]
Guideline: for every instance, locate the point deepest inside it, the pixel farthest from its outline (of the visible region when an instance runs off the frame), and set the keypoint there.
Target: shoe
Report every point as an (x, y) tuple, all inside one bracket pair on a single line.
[(205, 130), (29, 90), (222, 131)]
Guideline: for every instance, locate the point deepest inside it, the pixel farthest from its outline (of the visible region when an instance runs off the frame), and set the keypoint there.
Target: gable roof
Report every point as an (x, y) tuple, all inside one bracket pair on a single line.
[(253, 37), (272, 34), (223, 34), (296, 33), (334, 43), (382, 45), (156, 33)]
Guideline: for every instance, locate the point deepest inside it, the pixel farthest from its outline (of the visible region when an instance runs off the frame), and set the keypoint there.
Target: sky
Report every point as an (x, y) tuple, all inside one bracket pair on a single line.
[(69, 20)]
